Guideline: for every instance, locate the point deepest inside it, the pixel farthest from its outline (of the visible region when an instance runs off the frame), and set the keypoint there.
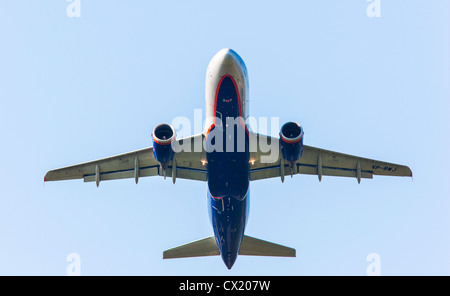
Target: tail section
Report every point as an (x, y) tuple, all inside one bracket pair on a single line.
[(249, 246), (203, 247), (256, 247)]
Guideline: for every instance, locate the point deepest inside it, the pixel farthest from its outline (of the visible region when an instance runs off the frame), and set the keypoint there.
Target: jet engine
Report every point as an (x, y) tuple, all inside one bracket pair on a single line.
[(163, 136), (291, 142)]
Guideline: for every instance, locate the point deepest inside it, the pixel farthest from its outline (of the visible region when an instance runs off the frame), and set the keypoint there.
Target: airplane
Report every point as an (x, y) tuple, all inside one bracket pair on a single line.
[(228, 157)]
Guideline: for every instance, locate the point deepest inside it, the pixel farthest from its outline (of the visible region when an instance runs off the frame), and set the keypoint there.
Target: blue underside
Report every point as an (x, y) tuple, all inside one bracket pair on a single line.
[(228, 217), (228, 174)]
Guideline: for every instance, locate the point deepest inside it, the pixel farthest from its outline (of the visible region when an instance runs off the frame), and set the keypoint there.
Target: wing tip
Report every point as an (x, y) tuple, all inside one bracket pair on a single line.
[(46, 178), (410, 172)]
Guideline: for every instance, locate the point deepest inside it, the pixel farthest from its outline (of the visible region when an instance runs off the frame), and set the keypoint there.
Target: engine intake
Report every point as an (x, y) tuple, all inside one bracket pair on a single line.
[(291, 141), (163, 136)]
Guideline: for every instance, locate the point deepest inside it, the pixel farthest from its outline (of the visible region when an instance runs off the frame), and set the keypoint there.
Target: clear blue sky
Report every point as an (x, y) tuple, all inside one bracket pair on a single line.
[(79, 89)]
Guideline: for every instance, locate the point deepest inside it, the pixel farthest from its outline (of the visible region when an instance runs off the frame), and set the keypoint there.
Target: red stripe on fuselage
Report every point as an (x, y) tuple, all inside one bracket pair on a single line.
[(239, 104)]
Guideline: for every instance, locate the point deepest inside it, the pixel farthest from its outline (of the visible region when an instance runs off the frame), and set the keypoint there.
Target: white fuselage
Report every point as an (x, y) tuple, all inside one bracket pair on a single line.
[(225, 62)]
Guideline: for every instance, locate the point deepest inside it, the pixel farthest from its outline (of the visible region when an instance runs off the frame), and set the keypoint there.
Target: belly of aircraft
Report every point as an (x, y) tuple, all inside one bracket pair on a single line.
[(228, 171)]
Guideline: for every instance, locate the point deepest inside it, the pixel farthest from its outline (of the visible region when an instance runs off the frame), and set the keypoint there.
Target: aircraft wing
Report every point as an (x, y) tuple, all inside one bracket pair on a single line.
[(320, 162), (136, 164)]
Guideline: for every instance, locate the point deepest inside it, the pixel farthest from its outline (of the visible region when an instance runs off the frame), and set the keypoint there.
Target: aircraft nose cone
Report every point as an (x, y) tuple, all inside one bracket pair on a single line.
[(227, 56)]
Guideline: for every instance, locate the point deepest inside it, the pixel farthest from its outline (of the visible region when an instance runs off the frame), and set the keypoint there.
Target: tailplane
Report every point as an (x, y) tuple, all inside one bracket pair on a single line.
[(250, 246), (203, 247), (256, 247)]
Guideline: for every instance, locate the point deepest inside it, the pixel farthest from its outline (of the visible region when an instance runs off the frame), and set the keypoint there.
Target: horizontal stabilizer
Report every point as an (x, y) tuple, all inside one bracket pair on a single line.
[(257, 247), (203, 247)]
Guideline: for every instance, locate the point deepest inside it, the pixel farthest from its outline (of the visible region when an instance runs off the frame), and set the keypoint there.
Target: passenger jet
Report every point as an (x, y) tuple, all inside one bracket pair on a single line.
[(227, 157)]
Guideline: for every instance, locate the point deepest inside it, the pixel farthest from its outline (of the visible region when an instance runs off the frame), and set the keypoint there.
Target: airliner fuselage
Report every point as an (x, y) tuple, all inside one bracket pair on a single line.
[(228, 155)]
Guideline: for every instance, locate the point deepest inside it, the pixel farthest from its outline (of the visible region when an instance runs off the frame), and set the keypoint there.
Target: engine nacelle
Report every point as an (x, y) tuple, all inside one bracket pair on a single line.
[(291, 141), (163, 137)]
